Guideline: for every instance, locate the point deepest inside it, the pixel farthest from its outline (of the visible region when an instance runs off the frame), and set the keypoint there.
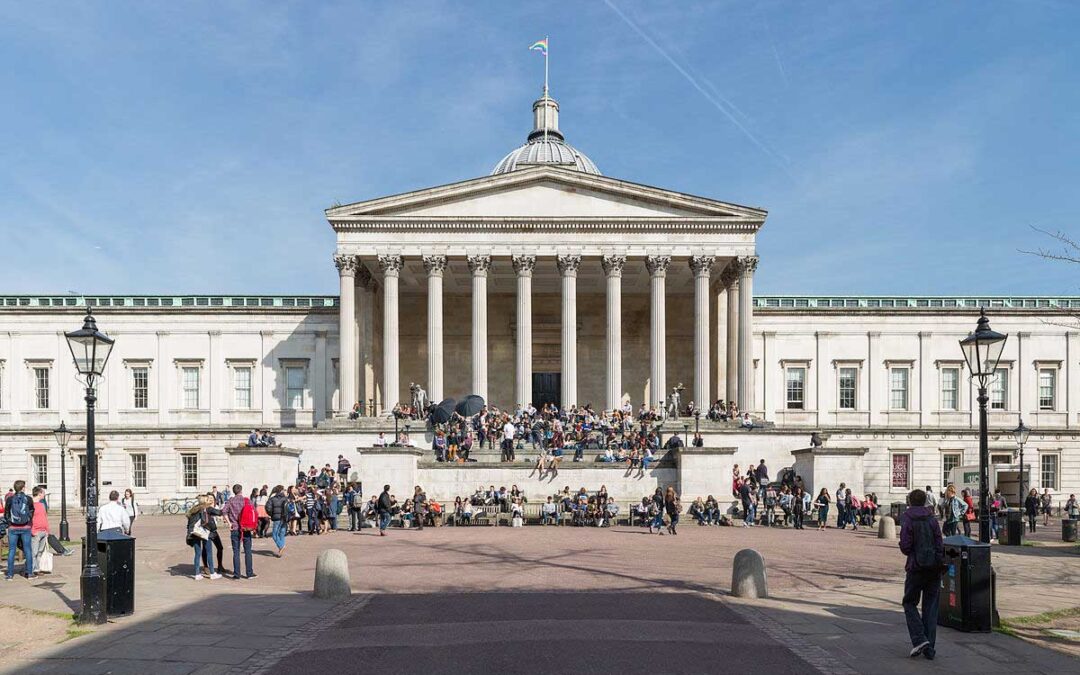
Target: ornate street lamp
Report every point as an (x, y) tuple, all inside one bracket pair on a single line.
[(63, 435), (982, 351), (1020, 435), (90, 348), (686, 435)]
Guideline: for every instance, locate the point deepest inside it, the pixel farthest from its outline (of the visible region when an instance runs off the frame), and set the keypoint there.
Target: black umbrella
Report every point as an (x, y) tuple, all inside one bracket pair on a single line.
[(442, 413), (470, 405)]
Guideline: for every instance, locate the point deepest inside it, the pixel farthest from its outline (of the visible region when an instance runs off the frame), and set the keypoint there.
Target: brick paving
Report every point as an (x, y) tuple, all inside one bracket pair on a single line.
[(835, 600)]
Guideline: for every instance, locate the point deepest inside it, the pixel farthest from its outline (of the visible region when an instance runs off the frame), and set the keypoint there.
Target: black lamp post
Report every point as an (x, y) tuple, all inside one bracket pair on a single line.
[(63, 435), (1020, 434), (686, 435), (90, 348), (697, 422), (982, 351), (407, 436)]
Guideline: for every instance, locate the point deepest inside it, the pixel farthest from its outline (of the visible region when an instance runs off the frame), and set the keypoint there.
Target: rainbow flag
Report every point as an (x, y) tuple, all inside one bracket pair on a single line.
[(540, 46)]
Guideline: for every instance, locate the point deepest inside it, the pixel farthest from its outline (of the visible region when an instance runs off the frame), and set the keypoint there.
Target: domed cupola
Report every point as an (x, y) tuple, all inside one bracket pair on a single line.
[(546, 144)]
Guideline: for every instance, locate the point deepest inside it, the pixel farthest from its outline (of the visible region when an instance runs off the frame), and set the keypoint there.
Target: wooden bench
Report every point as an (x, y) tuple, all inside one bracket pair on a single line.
[(486, 514)]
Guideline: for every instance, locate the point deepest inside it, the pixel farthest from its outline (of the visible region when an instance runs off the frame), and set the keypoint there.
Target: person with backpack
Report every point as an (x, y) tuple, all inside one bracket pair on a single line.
[(343, 466), (921, 541), (19, 516), (354, 501), (240, 513), (277, 510)]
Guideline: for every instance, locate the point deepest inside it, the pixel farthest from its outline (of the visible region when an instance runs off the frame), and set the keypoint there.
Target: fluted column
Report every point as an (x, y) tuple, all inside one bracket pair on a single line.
[(657, 266), (613, 266), (365, 284), (523, 265), (347, 266), (568, 269), (701, 266), (391, 268), (747, 266), (730, 280), (435, 265), (479, 265)]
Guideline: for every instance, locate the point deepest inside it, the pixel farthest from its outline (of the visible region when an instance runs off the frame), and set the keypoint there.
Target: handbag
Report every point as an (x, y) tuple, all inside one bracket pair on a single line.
[(44, 562), (198, 530)]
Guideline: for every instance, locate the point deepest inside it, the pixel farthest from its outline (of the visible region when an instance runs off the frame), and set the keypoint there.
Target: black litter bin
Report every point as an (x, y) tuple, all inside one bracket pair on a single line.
[(1068, 529), (896, 509), (116, 558), (1014, 528), (967, 596)]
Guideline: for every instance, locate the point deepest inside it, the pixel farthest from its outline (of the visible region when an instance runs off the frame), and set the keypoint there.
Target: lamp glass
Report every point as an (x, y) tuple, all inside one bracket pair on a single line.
[(63, 435), (90, 348), (1021, 434)]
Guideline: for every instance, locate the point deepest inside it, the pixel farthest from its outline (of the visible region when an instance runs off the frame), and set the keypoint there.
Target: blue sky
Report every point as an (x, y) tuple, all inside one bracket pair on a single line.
[(900, 148)]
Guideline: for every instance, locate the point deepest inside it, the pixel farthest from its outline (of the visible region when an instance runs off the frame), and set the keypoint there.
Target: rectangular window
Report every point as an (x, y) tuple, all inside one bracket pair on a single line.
[(41, 388), (796, 388), (1047, 382), (901, 471), (140, 387), (849, 378), (950, 388), (189, 469), (1, 385), (999, 390), (1048, 471), (138, 469), (949, 461), (1001, 459), (294, 387), (39, 469), (190, 376), (242, 387), (898, 388)]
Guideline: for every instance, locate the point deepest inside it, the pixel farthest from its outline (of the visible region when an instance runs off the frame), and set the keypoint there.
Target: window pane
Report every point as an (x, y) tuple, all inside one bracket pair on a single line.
[(191, 387), (242, 387), (294, 382), (40, 467), (901, 463), (140, 387), (189, 464), (1046, 388), (950, 388), (999, 390), (848, 379), (138, 470), (898, 388), (1048, 471), (949, 461), (796, 388), (41, 388)]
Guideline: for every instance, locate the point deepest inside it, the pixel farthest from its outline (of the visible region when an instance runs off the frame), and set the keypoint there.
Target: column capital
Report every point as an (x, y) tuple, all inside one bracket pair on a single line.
[(568, 264), (391, 264), (346, 265), (701, 265), (613, 265), (524, 264), (480, 264), (435, 265), (657, 265), (746, 265)]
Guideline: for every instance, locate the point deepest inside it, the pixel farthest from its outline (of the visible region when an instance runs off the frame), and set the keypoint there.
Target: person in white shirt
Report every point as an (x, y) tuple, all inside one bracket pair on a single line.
[(508, 441), (113, 516), (380, 442)]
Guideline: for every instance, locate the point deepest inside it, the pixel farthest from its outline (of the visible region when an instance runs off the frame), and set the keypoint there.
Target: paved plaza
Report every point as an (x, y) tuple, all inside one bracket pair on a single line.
[(542, 599)]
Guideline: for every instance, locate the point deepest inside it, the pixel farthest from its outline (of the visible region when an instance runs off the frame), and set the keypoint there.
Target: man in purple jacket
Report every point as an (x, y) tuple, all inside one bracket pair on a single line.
[(921, 542)]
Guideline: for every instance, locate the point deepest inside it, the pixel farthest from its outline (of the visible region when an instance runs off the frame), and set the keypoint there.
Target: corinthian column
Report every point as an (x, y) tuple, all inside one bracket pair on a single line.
[(391, 268), (435, 265), (613, 266), (523, 265), (701, 266), (657, 266), (747, 266), (729, 279), (365, 321), (347, 266), (479, 265), (568, 268)]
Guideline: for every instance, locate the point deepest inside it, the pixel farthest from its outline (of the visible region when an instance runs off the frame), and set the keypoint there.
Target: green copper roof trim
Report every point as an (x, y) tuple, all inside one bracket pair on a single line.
[(929, 302), (195, 302)]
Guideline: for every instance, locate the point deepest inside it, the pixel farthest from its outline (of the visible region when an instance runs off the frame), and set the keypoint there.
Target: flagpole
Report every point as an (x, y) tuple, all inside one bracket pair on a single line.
[(547, 50)]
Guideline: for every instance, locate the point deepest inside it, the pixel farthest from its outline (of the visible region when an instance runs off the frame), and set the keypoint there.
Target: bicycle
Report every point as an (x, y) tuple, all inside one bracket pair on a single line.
[(175, 506)]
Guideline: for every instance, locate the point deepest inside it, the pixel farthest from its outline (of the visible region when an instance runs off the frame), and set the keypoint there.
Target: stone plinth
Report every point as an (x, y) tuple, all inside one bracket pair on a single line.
[(251, 466), (826, 467)]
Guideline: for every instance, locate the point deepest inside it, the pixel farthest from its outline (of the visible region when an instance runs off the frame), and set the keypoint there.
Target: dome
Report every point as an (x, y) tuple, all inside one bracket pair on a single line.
[(545, 144)]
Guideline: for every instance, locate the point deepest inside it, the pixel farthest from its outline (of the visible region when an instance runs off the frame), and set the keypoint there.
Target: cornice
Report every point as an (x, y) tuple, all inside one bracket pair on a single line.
[(545, 224)]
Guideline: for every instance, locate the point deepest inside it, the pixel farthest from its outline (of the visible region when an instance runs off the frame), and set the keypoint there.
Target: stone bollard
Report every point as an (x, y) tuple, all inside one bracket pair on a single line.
[(748, 575), (886, 528), (332, 575)]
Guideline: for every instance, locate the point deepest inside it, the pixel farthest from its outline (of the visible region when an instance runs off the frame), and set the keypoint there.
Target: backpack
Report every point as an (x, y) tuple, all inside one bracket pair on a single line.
[(248, 521), (358, 500), (19, 513), (926, 555)]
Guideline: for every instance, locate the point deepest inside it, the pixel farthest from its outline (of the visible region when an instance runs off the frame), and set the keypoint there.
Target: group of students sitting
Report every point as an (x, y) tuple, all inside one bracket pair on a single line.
[(261, 438)]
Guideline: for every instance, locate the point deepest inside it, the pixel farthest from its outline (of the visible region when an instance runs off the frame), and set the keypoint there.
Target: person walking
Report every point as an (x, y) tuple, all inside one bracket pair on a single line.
[(969, 512), (921, 541), (841, 512), (798, 508), (240, 513), (113, 517), (277, 510), (384, 507), (1031, 508), (954, 511), (419, 507), (747, 505), (823, 508), (1046, 505), (673, 507)]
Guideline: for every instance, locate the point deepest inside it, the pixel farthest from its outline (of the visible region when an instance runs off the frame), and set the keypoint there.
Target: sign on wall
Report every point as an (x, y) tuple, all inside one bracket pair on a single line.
[(901, 471)]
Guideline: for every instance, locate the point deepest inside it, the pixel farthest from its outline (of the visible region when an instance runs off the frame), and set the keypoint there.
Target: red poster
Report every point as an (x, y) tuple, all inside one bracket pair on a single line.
[(900, 473)]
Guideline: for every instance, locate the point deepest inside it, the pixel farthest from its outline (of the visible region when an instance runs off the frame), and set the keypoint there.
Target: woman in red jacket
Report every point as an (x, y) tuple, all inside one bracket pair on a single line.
[(969, 515)]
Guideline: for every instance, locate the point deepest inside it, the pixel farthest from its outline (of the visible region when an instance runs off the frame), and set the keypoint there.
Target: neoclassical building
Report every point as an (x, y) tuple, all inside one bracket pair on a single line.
[(542, 282)]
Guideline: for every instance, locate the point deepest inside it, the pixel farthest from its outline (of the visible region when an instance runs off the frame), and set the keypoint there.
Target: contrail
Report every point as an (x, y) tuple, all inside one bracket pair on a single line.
[(775, 51), (714, 100)]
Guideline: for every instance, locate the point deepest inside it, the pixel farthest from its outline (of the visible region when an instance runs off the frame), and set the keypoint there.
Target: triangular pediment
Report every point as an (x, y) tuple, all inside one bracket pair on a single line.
[(543, 192)]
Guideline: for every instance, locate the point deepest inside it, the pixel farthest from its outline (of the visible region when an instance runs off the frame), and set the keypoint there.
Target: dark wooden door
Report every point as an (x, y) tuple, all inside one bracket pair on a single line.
[(547, 388)]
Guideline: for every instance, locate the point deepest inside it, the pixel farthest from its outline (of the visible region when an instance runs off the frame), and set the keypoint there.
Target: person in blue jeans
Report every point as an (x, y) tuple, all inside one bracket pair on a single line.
[(385, 504), (199, 514), (237, 535), (921, 542), (19, 514), (277, 510)]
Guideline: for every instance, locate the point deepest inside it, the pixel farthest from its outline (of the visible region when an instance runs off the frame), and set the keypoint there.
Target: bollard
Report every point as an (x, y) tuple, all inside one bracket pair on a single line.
[(748, 575), (886, 528), (332, 575)]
